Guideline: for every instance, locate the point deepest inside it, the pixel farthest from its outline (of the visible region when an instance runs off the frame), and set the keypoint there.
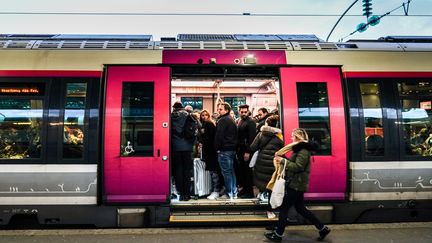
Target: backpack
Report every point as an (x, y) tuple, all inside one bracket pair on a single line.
[(190, 128)]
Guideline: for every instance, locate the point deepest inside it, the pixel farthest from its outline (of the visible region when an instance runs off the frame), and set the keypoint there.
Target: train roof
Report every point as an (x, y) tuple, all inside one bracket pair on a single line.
[(306, 42)]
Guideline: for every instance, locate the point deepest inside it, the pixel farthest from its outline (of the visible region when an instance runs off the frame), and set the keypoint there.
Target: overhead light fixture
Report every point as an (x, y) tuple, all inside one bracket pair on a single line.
[(249, 59)]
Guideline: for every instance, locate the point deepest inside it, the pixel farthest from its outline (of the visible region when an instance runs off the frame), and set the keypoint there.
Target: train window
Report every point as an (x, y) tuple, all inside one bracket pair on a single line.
[(73, 124), (235, 102), (195, 102), (20, 128), (416, 102), (137, 119), (372, 119), (314, 114)]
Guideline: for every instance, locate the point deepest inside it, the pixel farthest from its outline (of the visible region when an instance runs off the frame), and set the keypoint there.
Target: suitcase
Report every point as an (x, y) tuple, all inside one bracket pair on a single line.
[(201, 178)]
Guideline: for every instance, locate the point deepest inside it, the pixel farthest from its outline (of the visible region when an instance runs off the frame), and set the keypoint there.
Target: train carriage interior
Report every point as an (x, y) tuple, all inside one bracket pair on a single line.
[(204, 88)]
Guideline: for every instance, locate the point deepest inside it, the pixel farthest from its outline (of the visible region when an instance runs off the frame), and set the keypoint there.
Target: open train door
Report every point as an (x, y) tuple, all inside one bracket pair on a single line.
[(313, 99), (136, 134)]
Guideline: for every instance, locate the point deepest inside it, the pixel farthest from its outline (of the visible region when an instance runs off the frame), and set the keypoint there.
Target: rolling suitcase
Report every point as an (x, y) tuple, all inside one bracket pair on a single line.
[(202, 178)]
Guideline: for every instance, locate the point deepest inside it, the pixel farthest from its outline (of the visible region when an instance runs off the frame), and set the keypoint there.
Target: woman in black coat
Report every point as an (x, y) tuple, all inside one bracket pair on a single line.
[(268, 141), (209, 155)]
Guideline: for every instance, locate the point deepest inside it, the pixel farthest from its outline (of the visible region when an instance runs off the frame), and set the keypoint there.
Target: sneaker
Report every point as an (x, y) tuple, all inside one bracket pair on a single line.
[(271, 215), (323, 233), (272, 236), (213, 196)]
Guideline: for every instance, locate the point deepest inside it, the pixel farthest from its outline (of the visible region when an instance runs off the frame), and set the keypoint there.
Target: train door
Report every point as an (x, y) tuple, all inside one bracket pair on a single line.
[(136, 134), (312, 99)]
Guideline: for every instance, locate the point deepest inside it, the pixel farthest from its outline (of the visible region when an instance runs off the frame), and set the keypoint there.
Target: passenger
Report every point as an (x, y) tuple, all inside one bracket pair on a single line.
[(182, 152), (262, 117), (189, 108), (246, 130), (73, 135), (225, 145), (209, 154), (232, 114), (196, 147), (215, 116), (297, 176), (12, 144), (268, 141)]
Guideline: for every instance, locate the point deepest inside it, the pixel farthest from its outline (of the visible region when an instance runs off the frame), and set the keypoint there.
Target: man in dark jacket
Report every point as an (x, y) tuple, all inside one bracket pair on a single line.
[(263, 114), (225, 145), (246, 129), (181, 152)]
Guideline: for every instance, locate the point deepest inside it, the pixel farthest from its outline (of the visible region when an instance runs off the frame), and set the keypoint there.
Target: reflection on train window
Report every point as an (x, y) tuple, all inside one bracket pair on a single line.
[(314, 114), (195, 102), (137, 119), (235, 102), (20, 128), (416, 101), (73, 124), (372, 119)]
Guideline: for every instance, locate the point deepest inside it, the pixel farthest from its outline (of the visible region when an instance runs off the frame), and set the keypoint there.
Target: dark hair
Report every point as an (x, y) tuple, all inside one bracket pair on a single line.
[(263, 109), (226, 106), (177, 105), (243, 106), (272, 120)]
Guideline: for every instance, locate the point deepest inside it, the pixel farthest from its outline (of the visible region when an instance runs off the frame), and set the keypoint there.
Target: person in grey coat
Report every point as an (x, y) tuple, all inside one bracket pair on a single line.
[(181, 152)]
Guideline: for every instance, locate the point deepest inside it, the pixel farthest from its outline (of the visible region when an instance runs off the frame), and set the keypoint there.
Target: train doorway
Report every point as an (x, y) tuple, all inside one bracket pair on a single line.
[(200, 89), (136, 132)]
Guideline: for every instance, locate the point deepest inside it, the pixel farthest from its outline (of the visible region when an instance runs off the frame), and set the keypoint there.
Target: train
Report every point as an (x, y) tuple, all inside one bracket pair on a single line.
[(85, 124)]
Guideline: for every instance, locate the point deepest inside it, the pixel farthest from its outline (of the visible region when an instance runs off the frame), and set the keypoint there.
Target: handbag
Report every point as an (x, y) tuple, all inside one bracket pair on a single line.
[(278, 192), (253, 159), (255, 156)]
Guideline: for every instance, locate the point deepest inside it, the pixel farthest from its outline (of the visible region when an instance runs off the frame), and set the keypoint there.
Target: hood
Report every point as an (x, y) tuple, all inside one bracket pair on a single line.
[(270, 129), (302, 145)]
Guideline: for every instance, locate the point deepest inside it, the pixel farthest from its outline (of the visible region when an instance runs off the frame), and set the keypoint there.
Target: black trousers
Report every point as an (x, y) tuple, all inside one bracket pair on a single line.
[(296, 199), (182, 171), (244, 172)]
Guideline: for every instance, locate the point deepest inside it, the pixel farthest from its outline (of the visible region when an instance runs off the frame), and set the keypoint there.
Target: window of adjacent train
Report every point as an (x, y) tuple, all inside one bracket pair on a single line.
[(21, 112), (73, 123), (416, 102), (137, 119), (372, 119), (313, 110), (195, 102)]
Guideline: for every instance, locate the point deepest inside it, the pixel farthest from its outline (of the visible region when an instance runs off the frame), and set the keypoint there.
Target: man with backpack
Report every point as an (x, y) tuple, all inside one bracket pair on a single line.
[(182, 141)]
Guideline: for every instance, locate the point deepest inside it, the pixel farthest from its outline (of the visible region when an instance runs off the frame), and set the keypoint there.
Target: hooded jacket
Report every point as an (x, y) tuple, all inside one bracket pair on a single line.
[(268, 141), (178, 119), (297, 170)]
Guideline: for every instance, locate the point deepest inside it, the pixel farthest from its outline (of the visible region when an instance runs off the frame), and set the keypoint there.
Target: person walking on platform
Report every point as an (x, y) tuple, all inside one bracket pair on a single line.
[(181, 151), (297, 175), (246, 134), (267, 142), (225, 145)]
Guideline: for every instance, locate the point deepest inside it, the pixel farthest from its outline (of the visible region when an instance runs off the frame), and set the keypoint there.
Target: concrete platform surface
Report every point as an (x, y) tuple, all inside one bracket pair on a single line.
[(369, 233)]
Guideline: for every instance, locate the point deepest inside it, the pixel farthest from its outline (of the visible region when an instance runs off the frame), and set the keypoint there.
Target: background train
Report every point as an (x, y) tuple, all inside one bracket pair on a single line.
[(72, 106)]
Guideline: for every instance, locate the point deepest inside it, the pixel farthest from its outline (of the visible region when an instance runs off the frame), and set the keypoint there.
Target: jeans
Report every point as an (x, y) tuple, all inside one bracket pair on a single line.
[(296, 199), (226, 162)]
